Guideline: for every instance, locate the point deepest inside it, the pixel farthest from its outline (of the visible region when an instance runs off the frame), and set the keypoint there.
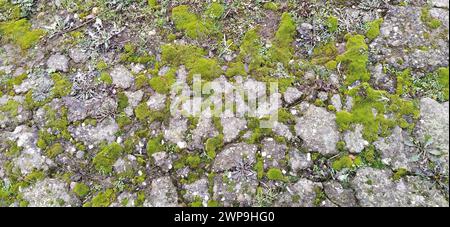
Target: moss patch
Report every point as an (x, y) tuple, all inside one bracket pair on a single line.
[(355, 59), (106, 158), (275, 174), (282, 49), (20, 33), (373, 30), (370, 109)]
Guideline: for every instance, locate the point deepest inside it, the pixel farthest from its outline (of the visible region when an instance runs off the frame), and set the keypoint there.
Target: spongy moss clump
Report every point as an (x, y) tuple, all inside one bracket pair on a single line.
[(192, 25), (102, 199), (370, 109), (282, 49), (106, 158), (374, 29), (355, 59), (20, 33), (275, 174)]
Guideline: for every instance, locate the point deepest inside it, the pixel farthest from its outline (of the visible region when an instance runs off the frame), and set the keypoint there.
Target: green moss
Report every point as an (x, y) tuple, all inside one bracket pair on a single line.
[(213, 145), (190, 23), (373, 30), (332, 24), (141, 81), (213, 203), (284, 116), (207, 68), (142, 111), (12, 149), (11, 107), (275, 174), (345, 162), (101, 65), (123, 120), (132, 55), (105, 159), (9, 11), (369, 109), (236, 69), (282, 49), (193, 161), (399, 174), (176, 54), (62, 86), (355, 59), (162, 84), (215, 11), (106, 78), (54, 150), (428, 20), (320, 196), (34, 176), (270, 6), (434, 85), (324, 53), (404, 82), (259, 168), (152, 3), (443, 79), (251, 50), (81, 190), (154, 146), (102, 199), (122, 101), (20, 33)]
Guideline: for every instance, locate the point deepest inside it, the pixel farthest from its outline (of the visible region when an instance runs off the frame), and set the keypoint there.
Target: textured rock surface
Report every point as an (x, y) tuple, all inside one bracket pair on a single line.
[(100, 103), (317, 127), (163, 194), (377, 188), (49, 193)]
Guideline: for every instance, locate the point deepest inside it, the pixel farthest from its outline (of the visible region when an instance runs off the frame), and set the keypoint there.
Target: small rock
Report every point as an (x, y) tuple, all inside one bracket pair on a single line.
[(58, 62)]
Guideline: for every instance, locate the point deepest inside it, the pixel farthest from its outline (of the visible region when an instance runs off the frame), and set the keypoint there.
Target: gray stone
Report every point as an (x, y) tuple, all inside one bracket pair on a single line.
[(376, 188), (336, 102), (205, 129), (301, 194), (273, 153), (197, 190), (125, 165), (233, 188), (163, 194), (232, 126), (93, 135), (291, 95), (233, 155), (175, 132), (282, 130), (299, 161), (121, 77), (58, 62), (163, 161), (440, 3), (433, 128), (354, 140), (318, 129), (393, 150), (157, 102), (344, 197), (50, 193), (125, 199), (78, 55), (401, 39)]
